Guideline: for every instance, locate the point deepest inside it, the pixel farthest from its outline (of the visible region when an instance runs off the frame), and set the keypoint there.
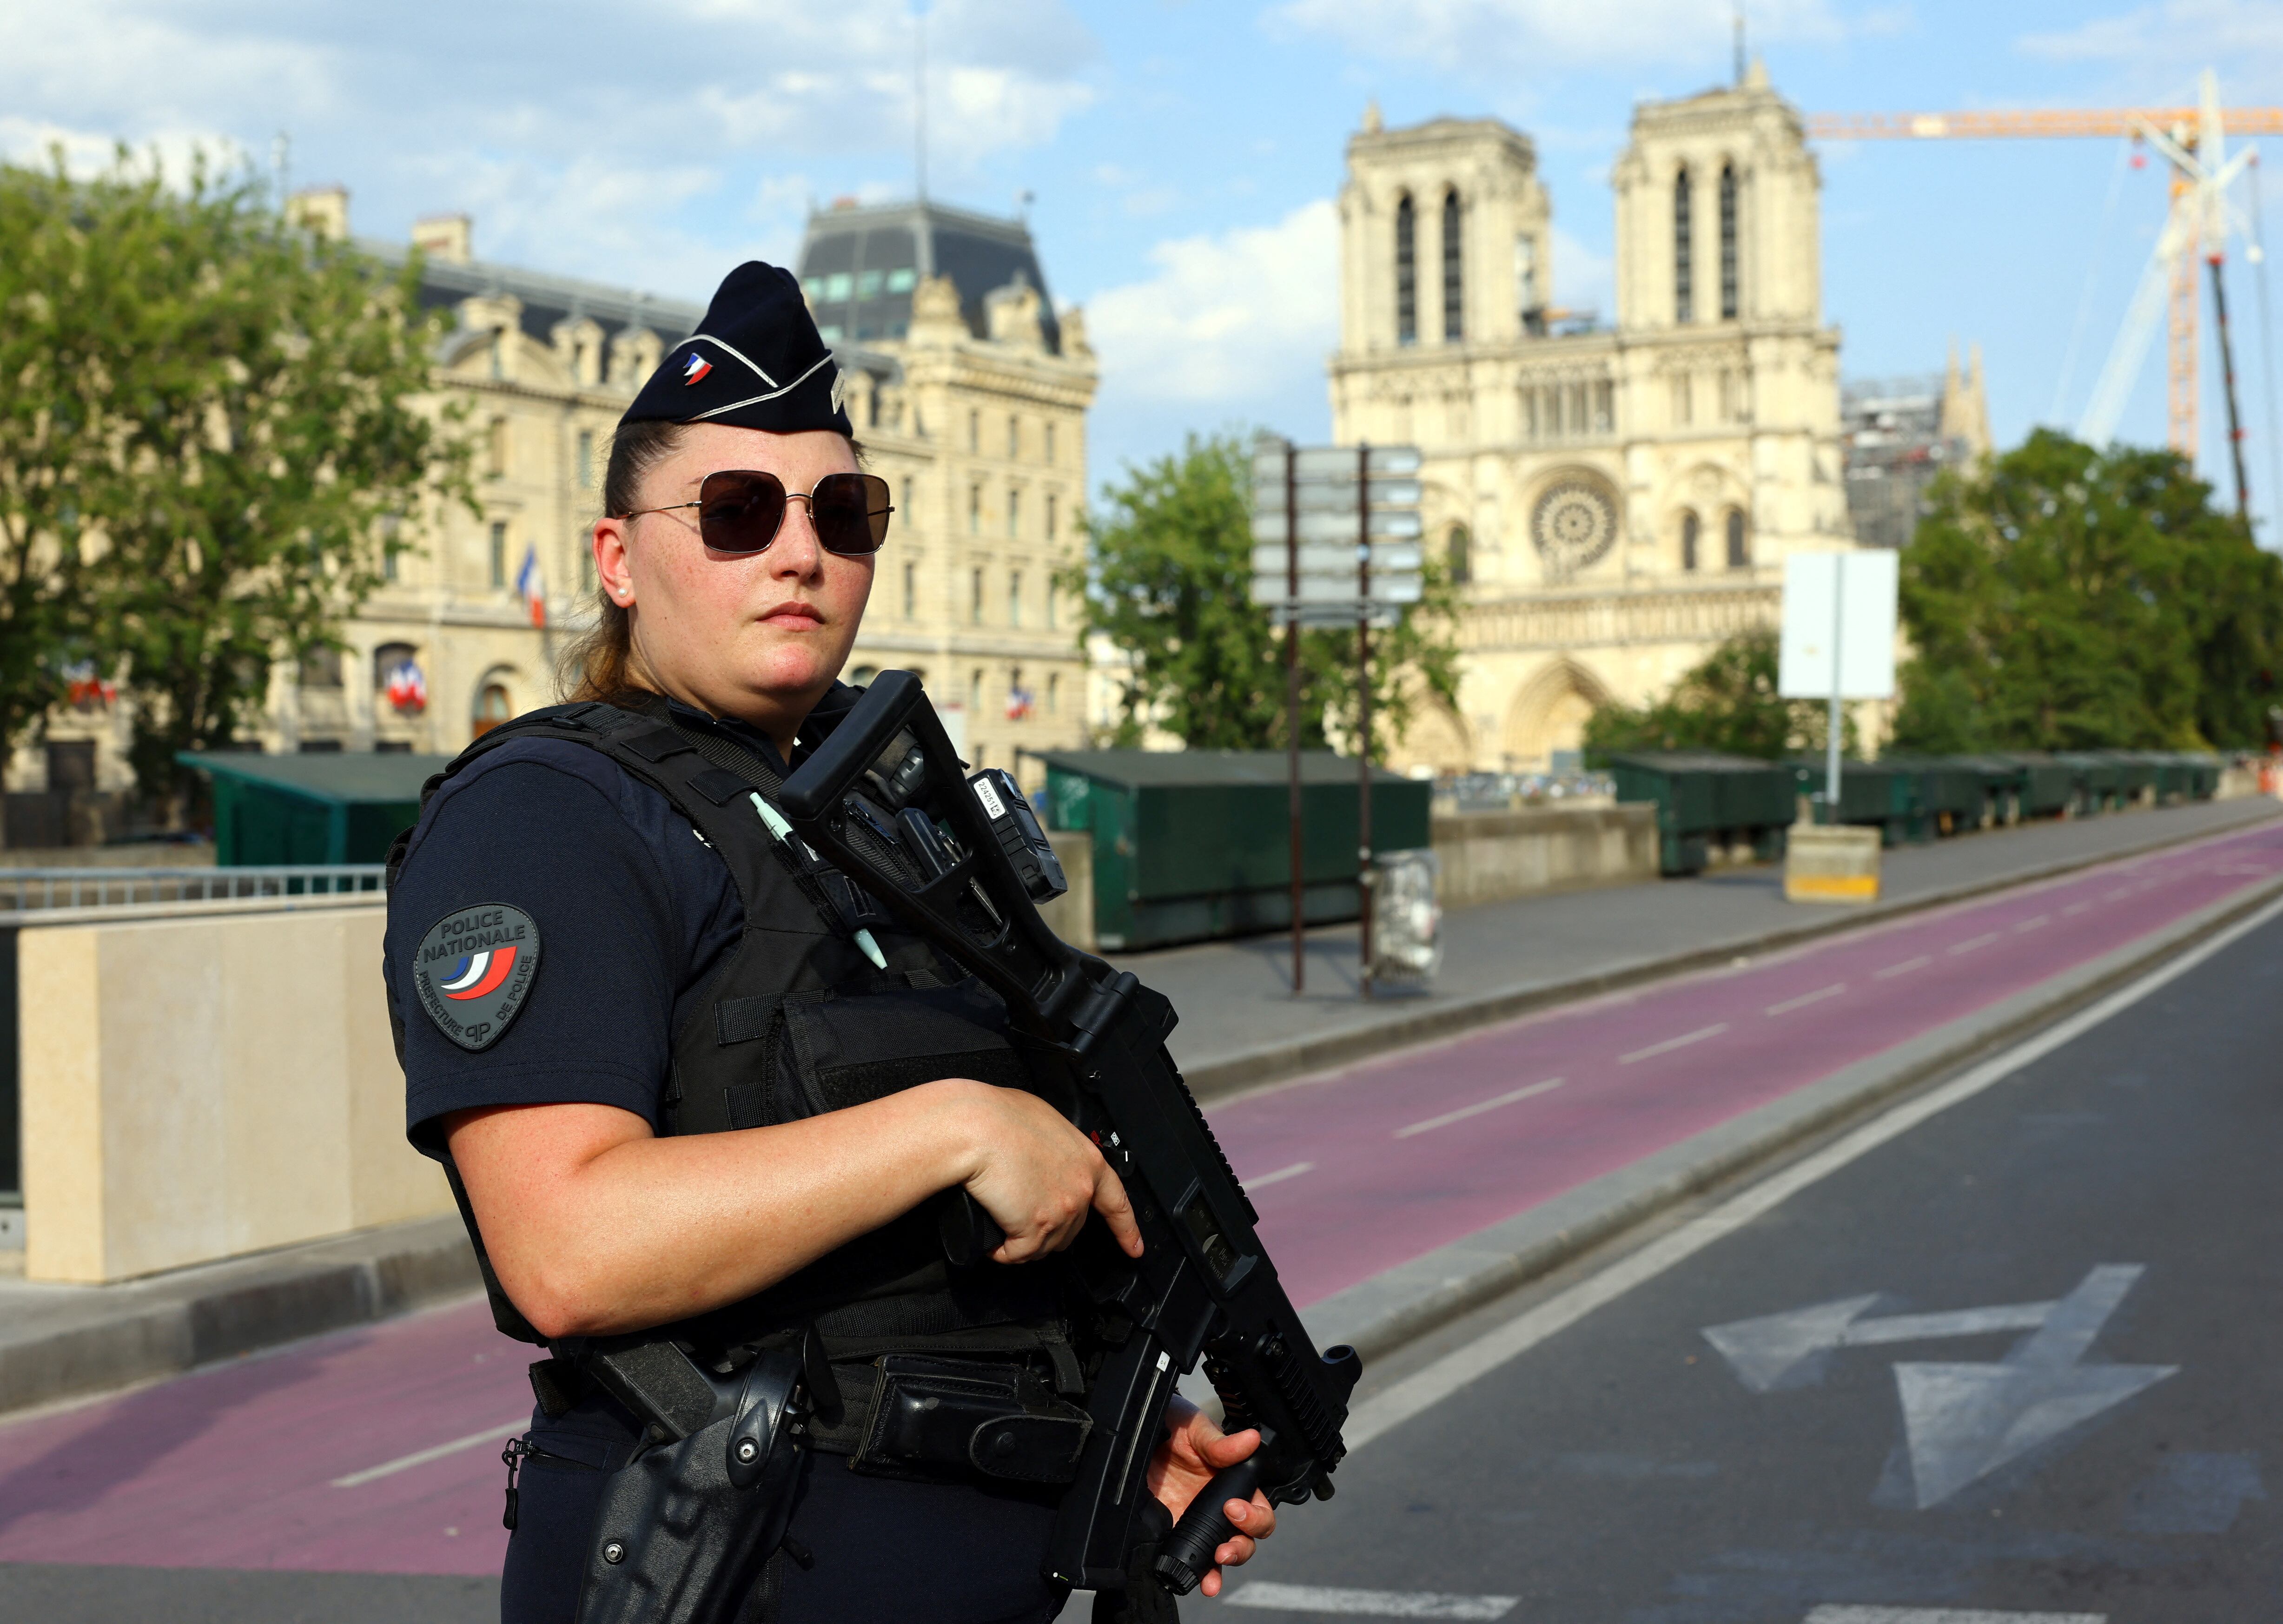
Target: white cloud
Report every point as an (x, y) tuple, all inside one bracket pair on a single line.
[(1229, 321), (596, 139), (2158, 47), (1490, 39)]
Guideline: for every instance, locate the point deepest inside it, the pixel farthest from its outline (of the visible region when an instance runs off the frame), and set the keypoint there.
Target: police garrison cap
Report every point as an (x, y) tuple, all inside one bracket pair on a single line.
[(755, 361)]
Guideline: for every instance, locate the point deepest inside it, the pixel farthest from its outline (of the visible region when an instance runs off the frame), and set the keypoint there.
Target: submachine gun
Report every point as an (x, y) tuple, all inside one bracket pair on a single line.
[(1094, 1038)]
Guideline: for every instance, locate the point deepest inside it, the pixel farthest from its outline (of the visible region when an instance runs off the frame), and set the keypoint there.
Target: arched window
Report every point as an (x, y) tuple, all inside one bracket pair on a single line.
[(1728, 302), (1690, 529), (1740, 545), (1683, 267), (1454, 290), (1407, 271), (492, 708), (1460, 555)]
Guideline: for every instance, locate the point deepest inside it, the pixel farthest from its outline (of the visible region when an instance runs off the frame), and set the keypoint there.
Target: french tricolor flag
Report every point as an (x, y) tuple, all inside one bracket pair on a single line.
[(531, 587), (695, 367)]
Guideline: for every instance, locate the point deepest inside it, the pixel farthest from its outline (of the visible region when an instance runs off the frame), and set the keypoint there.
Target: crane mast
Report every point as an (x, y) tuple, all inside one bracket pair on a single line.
[(2194, 141)]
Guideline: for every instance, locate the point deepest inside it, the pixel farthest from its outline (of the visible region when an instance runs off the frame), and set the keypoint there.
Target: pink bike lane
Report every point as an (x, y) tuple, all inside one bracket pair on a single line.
[(376, 1451)]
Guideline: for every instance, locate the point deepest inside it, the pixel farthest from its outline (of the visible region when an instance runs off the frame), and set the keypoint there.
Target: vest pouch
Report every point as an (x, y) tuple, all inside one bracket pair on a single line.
[(849, 1048)]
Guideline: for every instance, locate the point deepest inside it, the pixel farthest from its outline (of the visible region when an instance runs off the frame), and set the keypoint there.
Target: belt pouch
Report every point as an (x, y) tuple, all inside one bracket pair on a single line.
[(939, 1419), (678, 1538)]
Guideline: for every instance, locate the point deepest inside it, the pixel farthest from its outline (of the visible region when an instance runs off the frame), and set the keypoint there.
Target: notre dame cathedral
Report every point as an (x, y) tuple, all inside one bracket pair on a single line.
[(1617, 497)]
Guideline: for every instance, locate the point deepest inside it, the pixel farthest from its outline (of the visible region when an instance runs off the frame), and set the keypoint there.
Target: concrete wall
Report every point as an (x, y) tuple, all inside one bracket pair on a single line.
[(198, 1087), (1488, 856)]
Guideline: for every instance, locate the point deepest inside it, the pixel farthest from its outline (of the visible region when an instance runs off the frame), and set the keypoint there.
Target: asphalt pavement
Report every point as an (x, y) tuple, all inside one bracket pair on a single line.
[(270, 1488), (2004, 1358)]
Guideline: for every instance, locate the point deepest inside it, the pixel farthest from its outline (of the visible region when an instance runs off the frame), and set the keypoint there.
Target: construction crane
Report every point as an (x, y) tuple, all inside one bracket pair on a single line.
[(2192, 140)]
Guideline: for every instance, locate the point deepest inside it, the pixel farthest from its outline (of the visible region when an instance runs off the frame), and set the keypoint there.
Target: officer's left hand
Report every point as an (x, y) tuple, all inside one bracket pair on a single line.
[(1194, 1448)]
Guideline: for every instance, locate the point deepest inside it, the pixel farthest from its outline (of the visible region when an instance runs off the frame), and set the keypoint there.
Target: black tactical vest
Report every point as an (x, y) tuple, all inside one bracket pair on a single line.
[(800, 1020)]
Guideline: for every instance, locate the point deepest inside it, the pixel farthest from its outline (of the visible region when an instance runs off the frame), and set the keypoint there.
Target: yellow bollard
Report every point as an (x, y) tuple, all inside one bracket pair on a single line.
[(1831, 863)]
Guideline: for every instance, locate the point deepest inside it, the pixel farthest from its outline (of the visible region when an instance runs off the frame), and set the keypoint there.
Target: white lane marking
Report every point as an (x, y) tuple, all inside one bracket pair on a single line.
[(1897, 969), (1424, 1388), (1280, 1175), (1971, 942), (421, 1458), (1829, 1614), (1670, 1044), (1478, 1107), (1368, 1603), (2125, 890), (2032, 924), (2077, 907), (1805, 998)]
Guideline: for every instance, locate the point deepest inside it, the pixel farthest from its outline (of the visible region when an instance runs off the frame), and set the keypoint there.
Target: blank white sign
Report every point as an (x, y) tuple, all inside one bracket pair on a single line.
[(1845, 600)]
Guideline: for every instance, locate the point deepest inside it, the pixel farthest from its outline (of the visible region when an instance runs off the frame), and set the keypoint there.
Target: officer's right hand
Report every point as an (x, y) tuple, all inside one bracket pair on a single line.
[(1037, 1175)]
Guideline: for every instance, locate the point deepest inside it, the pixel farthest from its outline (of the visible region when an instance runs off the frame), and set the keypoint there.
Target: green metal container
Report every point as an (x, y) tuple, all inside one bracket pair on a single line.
[(2049, 784), (1195, 844), (307, 810), (1703, 795), (1870, 792), (1947, 794)]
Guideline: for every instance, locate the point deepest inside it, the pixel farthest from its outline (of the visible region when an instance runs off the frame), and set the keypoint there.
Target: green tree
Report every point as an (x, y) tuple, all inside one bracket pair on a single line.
[(1728, 703), (2065, 598), (1167, 581), (209, 436)]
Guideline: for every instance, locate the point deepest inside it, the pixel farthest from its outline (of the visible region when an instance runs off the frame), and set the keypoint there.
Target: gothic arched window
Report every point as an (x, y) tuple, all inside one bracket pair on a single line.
[(1461, 553), (1683, 281), (1454, 290), (1740, 545), (1690, 529), (1407, 271), (1728, 300)]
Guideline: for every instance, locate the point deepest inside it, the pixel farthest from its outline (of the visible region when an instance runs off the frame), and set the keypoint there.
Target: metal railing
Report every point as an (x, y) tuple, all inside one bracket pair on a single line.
[(25, 890)]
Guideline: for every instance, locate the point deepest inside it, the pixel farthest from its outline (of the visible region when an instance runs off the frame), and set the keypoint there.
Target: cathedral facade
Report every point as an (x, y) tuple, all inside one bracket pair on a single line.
[(1617, 498)]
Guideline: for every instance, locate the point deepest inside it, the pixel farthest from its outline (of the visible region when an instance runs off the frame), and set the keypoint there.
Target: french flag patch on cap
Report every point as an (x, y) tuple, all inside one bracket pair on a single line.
[(695, 369)]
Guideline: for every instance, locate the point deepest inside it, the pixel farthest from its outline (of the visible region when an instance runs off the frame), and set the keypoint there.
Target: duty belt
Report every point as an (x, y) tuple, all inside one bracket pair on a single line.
[(927, 1416)]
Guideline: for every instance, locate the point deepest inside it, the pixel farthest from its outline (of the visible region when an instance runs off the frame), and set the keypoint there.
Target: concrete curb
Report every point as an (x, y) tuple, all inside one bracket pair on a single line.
[(67, 1341), (1379, 1314), (1293, 1058)]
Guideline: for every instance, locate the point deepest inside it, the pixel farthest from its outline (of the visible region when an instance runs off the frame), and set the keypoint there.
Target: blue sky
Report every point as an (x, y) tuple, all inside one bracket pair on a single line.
[(1182, 158)]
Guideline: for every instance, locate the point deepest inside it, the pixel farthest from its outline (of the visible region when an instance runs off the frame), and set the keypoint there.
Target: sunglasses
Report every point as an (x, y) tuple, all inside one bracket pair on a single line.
[(741, 510)]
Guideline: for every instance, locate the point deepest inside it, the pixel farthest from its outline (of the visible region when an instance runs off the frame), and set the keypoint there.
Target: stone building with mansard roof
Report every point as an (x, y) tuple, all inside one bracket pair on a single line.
[(1617, 498), (968, 390)]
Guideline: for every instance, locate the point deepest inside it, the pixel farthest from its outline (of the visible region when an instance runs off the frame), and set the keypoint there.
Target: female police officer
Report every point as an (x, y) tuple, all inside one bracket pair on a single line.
[(601, 930)]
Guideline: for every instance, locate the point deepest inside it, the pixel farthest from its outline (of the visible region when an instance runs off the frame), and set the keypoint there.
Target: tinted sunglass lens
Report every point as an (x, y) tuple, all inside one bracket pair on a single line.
[(851, 512), (739, 512)]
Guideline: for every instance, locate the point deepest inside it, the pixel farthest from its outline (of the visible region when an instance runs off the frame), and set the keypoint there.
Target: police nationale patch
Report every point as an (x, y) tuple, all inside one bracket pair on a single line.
[(474, 970)]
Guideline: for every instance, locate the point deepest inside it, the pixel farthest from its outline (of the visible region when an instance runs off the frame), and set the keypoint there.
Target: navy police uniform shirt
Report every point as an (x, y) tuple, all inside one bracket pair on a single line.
[(631, 912)]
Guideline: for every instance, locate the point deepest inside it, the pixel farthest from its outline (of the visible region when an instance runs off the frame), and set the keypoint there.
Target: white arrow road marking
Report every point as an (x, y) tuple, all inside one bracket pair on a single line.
[(1368, 1603), (1962, 1422), (1829, 1614), (1788, 1350), (1478, 1107), (1280, 1174), (421, 1458), (1670, 1044)]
